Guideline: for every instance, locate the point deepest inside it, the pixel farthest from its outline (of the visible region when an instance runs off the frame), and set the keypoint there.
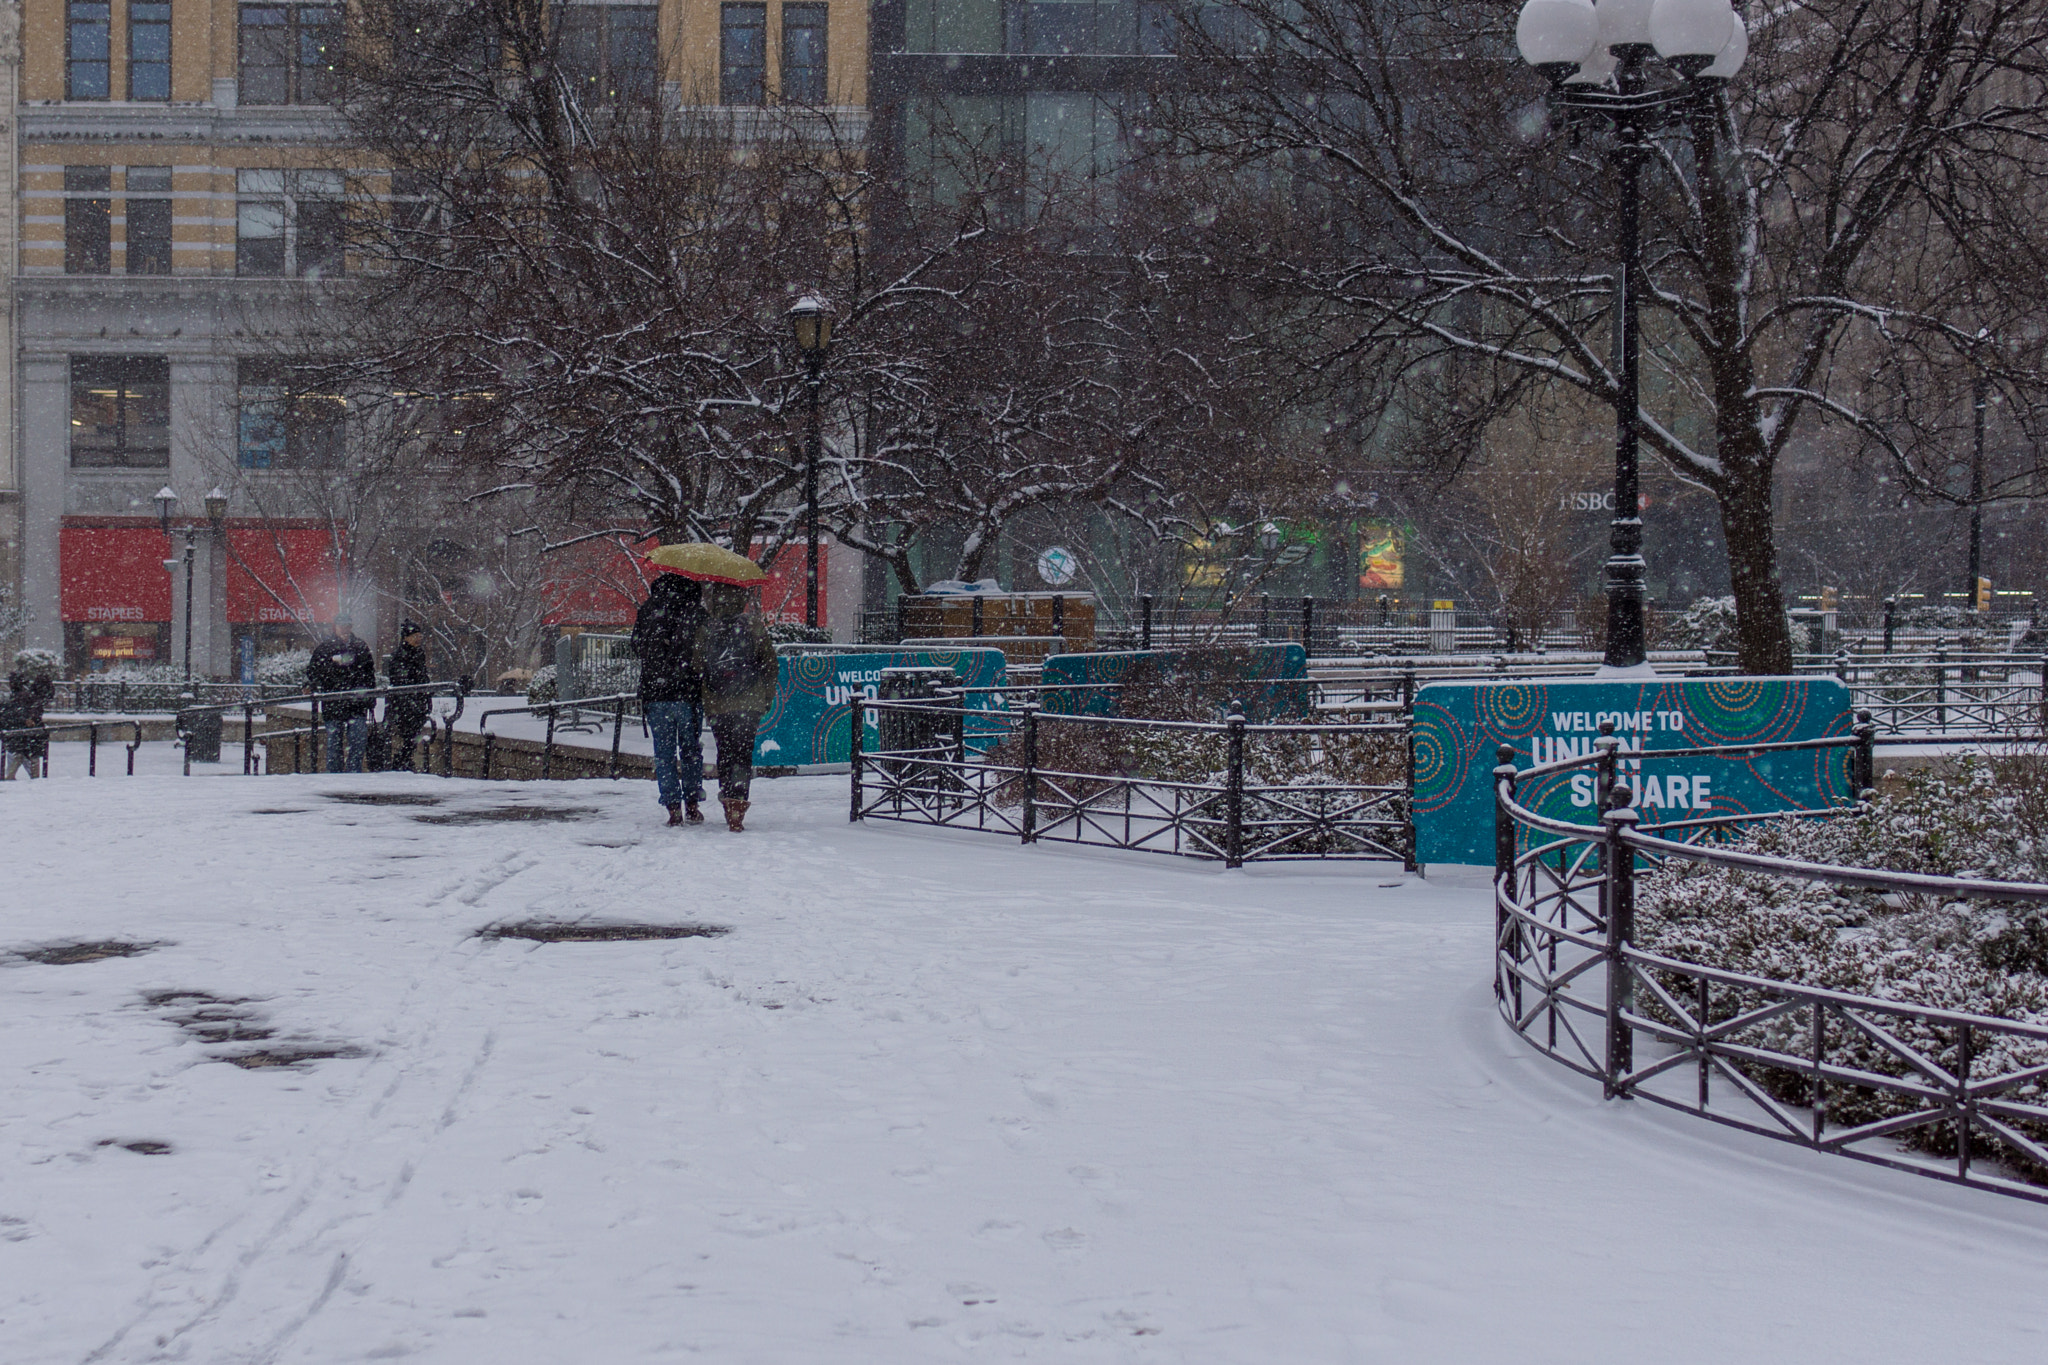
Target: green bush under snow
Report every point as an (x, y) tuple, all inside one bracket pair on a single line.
[(1977, 818)]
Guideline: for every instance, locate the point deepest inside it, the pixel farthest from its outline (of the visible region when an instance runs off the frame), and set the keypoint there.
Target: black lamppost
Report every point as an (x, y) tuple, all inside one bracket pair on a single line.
[(1980, 395), (1598, 61), (216, 512), (810, 318)]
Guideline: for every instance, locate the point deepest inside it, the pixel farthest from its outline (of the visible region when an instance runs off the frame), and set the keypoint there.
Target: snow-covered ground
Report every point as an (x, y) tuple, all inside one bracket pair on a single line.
[(934, 1098)]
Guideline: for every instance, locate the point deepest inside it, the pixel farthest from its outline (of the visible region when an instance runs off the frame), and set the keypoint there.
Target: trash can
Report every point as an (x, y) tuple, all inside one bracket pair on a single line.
[(200, 729), (905, 730)]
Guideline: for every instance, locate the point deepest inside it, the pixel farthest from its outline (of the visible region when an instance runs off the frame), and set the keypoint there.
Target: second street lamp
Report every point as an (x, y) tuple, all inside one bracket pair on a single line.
[(1597, 58), (810, 320)]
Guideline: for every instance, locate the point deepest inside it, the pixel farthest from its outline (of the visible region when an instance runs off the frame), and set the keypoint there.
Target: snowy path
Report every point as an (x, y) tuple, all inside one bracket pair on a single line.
[(935, 1098)]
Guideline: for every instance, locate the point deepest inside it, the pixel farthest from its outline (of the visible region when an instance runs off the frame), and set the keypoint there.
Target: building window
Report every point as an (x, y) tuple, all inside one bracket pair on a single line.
[(148, 211), (608, 51), (742, 54), (803, 53), (88, 210), (87, 31), (290, 223), (289, 54), (283, 423), (120, 412), (149, 50)]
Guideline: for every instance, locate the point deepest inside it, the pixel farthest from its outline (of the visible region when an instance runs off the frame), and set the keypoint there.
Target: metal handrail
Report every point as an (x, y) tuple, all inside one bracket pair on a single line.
[(1571, 989), (618, 701), (92, 729)]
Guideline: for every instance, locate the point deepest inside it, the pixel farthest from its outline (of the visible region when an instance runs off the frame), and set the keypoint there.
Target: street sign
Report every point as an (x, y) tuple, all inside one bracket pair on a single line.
[(814, 698), (1460, 725), (1057, 566)]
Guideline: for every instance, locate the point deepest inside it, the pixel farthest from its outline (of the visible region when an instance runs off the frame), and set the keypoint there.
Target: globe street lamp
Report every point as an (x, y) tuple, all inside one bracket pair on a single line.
[(1598, 60), (166, 500), (810, 319)]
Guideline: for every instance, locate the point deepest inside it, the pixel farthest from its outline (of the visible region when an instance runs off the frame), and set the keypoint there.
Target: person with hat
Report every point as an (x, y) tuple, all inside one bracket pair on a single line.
[(343, 663), (405, 715), (736, 660)]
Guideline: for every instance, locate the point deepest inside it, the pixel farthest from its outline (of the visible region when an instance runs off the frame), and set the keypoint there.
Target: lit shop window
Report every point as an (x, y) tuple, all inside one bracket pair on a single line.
[(120, 412)]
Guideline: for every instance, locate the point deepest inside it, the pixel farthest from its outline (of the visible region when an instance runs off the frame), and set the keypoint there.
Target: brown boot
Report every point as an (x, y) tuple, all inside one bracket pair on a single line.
[(693, 813), (675, 815), (735, 815)]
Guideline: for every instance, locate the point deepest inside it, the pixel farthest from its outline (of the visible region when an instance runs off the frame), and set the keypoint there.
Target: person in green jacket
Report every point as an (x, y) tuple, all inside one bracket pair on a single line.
[(736, 660)]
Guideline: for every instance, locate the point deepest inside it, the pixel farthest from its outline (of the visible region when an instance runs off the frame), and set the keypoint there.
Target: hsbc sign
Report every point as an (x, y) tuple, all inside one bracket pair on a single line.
[(1596, 502)]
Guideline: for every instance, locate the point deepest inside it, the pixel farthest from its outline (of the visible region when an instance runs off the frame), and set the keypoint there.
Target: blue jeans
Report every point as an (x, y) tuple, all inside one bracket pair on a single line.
[(678, 730), (345, 740)]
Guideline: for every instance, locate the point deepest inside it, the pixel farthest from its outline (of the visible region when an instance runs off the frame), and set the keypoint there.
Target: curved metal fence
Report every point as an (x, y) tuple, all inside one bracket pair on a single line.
[(1961, 1097), (1192, 788)]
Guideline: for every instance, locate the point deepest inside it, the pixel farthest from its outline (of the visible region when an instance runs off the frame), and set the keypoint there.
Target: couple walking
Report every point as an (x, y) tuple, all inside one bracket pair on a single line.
[(702, 652)]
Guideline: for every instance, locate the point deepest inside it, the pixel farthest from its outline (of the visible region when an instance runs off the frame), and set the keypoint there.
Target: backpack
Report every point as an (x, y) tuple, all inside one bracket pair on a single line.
[(729, 662)]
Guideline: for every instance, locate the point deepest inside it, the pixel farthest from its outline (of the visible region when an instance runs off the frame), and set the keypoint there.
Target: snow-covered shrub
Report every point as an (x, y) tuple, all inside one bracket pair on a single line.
[(540, 688), (287, 668), (37, 663), (797, 633), (1709, 623), (1977, 818)]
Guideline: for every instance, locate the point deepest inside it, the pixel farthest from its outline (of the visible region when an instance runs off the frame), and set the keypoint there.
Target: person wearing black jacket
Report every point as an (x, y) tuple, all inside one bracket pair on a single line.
[(27, 694), (343, 663), (405, 715), (671, 692)]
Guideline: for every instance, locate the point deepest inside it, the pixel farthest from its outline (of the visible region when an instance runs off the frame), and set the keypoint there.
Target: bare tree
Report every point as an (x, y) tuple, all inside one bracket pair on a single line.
[(1827, 243)]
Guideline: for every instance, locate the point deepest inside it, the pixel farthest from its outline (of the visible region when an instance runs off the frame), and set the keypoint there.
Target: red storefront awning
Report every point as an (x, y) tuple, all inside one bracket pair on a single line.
[(594, 583), (282, 574), (113, 573), (782, 596)]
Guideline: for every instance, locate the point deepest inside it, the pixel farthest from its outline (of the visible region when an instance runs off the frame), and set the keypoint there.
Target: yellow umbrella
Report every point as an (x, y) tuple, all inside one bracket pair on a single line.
[(708, 563)]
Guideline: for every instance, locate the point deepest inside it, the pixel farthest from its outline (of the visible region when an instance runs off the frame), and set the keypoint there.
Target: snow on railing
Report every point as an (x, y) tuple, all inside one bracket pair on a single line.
[(1936, 1092)]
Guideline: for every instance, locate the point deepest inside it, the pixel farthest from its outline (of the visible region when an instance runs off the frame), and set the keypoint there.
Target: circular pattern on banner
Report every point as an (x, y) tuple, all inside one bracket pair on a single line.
[(1510, 710), (812, 668), (1442, 757), (1744, 710)]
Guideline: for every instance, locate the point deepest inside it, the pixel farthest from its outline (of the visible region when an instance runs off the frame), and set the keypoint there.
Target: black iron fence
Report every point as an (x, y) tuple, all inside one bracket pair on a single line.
[(1936, 1092), (1230, 790)]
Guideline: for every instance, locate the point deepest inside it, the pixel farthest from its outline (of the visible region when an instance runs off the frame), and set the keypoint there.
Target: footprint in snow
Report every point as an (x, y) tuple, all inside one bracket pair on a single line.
[(1066, 1241)]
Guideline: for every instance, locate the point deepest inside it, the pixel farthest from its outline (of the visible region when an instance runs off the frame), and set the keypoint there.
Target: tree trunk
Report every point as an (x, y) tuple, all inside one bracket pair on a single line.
[(1763, 639)]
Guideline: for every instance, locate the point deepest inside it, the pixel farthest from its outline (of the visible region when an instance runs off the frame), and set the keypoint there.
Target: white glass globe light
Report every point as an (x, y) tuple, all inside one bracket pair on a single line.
[(1732, 54), (1596, 70), (1556, 32), (1624, 23), (1692, 31)]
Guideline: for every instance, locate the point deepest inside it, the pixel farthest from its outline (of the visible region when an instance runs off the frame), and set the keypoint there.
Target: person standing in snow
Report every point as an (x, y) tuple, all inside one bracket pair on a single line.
[(405, 715), (671, 692), (736, 659), (28, 692), (343, 663)]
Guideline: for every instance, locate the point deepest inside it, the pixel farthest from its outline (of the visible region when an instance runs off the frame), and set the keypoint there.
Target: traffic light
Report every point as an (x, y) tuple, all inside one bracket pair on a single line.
[(1983, 594)]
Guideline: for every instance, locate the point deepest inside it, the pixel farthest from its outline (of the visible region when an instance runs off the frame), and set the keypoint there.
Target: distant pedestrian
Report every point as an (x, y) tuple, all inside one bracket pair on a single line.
[(28, 693), (737, 661), (343, 663), (404, 716), (671, 693)]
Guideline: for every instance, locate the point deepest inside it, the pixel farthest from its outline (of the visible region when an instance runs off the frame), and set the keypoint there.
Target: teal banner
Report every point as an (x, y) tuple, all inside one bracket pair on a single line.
[(1274, 677), (1459, 727), (814, 698)]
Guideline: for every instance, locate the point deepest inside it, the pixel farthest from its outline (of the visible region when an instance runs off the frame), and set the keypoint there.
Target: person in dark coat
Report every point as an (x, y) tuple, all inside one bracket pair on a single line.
[(737, 662), (28, 693), (343, 663), (405, 715), (671, 693)]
